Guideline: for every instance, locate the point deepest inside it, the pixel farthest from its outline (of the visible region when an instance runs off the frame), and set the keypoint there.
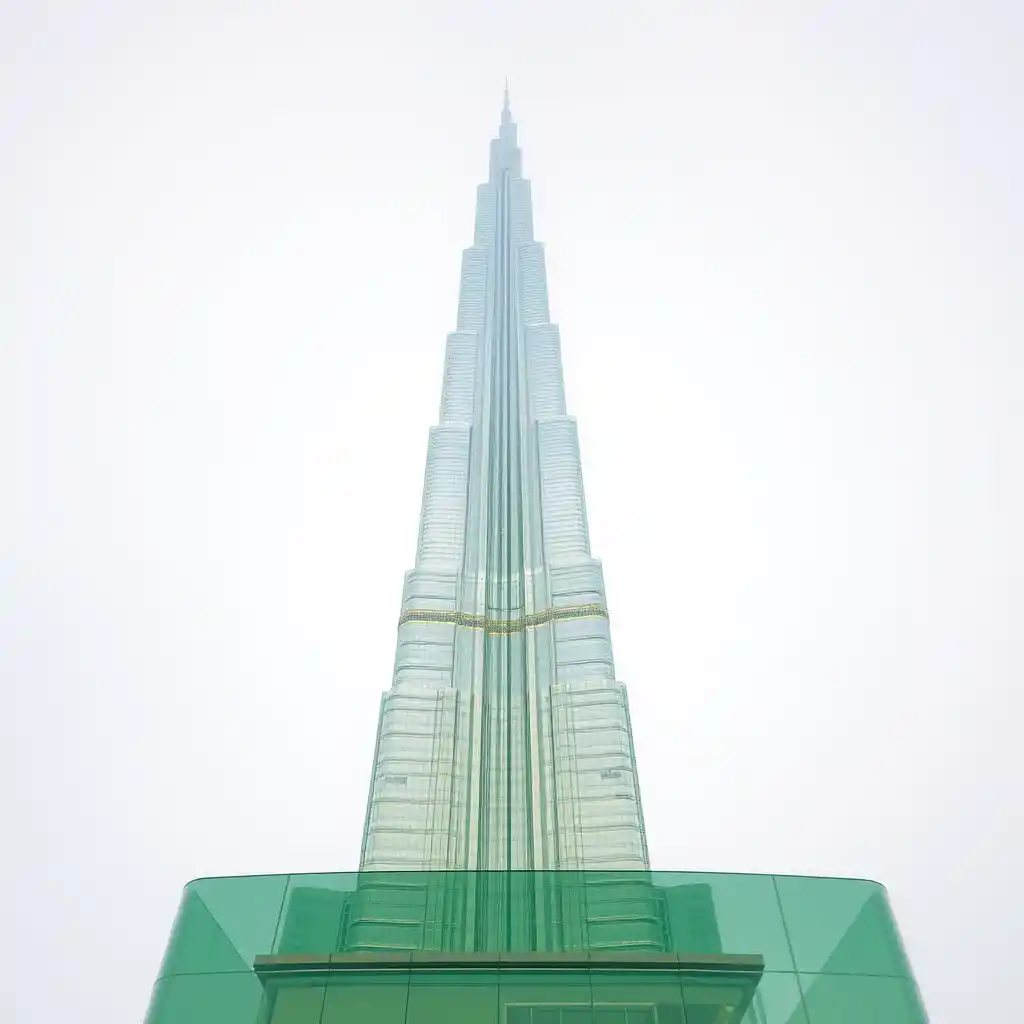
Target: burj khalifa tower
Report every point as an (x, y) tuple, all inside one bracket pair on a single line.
[(504, 741)]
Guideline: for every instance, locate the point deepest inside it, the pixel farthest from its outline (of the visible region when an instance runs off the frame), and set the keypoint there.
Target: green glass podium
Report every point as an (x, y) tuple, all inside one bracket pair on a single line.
[(534, 948)]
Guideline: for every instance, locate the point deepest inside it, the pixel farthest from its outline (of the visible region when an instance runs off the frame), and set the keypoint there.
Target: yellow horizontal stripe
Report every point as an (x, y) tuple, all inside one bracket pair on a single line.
[(578, 611)]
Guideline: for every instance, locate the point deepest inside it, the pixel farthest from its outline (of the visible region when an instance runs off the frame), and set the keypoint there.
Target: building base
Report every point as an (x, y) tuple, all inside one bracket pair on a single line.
[(534, 948)]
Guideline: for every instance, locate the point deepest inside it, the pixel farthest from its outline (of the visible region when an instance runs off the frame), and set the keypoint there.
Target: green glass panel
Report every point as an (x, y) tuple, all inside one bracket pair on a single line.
[(841, 926), (718, 997), (547, 995), (712, 999), (313, 912), (206, 999), (637, 997), (198, 944), (378, 998), (453, 997), (852, 999), (389, 910), (516, 910), (293, 1001), (247, 909), (693, 918), (622, 910), (732, 914), (777, 1000)]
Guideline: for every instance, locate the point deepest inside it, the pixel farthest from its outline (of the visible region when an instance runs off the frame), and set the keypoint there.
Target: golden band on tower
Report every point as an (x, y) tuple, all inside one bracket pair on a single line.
[(504, 626)]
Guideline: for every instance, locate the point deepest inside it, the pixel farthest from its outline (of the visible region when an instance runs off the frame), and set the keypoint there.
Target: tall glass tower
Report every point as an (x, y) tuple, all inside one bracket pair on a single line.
[(504, 741), (504, 876)]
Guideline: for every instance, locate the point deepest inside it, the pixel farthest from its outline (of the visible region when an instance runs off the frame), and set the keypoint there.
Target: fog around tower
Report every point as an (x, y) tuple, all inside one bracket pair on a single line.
[(783, 251)]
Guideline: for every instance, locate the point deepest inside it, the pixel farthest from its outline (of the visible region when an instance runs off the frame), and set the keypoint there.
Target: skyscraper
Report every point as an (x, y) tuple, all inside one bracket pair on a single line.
[(504, 741), (504, 875)]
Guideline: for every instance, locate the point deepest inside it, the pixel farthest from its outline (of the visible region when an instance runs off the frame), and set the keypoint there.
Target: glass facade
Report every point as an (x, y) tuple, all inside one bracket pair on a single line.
[(610, 947), (504, 742)]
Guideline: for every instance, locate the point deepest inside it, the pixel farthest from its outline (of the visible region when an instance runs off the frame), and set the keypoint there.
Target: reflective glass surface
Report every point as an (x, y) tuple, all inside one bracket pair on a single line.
[(610, 947), (841, 926), (853, 999), (504, 671), (366, 995)]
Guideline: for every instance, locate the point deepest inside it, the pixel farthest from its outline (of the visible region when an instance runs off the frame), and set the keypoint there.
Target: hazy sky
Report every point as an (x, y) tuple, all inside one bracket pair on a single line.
[(784, 248)]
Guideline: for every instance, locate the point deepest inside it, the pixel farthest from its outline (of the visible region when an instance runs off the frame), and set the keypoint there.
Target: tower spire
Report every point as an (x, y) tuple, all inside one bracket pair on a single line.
[(506, 113)]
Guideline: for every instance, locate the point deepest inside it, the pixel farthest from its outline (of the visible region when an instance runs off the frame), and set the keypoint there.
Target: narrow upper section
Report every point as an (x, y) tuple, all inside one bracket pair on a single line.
[(505, 154)]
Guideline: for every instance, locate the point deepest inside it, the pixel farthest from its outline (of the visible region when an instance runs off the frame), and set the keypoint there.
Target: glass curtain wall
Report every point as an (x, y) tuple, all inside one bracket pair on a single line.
[(504, 741)]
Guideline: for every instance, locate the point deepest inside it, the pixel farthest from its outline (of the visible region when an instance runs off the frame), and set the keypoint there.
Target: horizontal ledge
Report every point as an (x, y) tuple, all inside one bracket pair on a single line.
[(305, 963), (504, 626)]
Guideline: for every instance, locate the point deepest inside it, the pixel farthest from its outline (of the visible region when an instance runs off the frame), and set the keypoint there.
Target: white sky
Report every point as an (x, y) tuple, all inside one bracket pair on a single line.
[(784, 249)]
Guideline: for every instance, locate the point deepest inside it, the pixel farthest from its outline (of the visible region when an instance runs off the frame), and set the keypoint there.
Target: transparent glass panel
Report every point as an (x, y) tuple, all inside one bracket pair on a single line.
[(375, 997), (777, 1000), (841, 926), (639, 997), (206, 999), (198, 944), (453, 997), (304, 931), (246, 909), (716, 997), (548, 996), (852, 999), (396, 910), (711, 999), (311, 918), (732, 914), (293, 1001)]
